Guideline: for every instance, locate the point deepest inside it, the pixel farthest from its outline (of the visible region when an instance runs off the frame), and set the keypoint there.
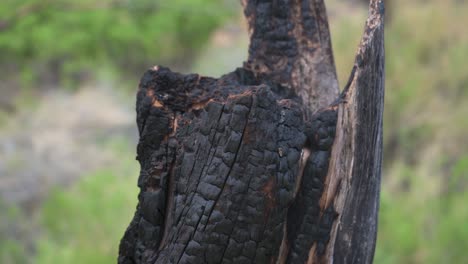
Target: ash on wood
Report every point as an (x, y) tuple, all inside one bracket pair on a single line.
[(267, 164)]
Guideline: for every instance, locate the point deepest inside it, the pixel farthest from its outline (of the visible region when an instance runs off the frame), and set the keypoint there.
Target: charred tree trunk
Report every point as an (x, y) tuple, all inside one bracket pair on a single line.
[(267, 164)]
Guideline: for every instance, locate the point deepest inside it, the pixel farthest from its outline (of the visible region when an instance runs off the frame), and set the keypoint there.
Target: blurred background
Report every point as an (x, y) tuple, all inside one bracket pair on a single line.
[(68, 75)]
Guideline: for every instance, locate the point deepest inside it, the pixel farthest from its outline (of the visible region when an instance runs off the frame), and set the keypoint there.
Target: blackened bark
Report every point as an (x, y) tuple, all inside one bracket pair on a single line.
[(265, 164), (354, 176), (290, 45)]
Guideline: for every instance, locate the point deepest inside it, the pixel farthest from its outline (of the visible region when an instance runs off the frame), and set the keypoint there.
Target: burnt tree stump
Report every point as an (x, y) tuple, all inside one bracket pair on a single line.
[(269, 163)]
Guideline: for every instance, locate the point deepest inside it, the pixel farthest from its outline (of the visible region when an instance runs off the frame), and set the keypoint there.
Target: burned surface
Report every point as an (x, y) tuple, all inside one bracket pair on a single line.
[(265, 164), (230, 161), (355, 167), (361, 156), (290, 45), (307, 222)]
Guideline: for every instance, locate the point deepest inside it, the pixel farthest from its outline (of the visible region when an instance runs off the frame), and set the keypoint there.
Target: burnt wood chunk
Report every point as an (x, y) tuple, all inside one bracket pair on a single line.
[(290, 45), (307, 222), (357, 159), (266, 164), (218, 170)]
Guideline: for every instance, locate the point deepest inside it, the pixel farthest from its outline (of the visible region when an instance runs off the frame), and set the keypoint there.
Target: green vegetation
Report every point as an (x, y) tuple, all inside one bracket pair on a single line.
[(82, 223), (71, 40), (11, 251), (85, 224), (423, 222)]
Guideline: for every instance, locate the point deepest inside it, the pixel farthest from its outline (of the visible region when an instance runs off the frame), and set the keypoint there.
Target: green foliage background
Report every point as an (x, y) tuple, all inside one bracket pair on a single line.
[(423, 210), (71, 38)]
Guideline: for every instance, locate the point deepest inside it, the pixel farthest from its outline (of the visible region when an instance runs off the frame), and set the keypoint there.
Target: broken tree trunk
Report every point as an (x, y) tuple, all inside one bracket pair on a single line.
[(267, 164)]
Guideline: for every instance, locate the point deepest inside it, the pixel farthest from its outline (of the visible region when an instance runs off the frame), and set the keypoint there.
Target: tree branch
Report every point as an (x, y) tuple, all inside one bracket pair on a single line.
[(290, 45), (353, 185)]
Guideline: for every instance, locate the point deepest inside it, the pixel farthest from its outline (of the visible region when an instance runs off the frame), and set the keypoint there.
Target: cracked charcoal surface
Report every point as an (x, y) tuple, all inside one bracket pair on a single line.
[(306, 223), (228, 152), (290, 45), (220, 158)]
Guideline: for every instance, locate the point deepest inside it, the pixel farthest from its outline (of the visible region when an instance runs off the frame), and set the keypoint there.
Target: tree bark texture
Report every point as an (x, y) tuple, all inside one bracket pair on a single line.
[(267, 164)]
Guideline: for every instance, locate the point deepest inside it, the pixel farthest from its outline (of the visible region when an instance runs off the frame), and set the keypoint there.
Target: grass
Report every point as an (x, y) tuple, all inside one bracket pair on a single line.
[(11, 250), (85, 224)]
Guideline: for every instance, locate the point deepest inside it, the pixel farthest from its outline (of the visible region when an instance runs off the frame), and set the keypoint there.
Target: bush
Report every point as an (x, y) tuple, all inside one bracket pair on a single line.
[(85, 224), (69, 39)]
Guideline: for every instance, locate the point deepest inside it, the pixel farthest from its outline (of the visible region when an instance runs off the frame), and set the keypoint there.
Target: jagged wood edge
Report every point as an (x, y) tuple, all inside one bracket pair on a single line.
[(290, 44), (353, 181)]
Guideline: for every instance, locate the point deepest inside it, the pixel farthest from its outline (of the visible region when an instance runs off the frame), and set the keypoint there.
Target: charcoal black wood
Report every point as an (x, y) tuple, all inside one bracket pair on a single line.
[(307, 223), (229, 158), (256, 166), (358, 198)]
